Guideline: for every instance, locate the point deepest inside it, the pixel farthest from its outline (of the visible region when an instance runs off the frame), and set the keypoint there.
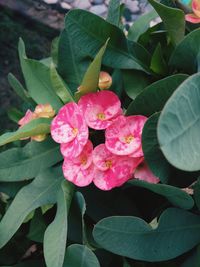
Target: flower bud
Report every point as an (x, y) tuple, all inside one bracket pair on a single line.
[(44, 111), (105, 80)]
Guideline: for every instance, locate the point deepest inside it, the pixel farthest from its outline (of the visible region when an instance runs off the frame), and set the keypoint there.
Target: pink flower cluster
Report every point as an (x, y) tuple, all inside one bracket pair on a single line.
[(107, 165)]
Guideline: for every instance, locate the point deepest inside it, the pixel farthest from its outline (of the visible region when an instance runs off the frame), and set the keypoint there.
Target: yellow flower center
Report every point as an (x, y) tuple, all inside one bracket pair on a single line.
[(101, 116), (128, 139), (75, 131), (84, 160), (108, 164)]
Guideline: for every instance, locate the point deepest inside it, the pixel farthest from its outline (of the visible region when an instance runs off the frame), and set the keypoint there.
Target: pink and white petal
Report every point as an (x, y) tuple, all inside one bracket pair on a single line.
[(138, 153), (72, 149), (61, 132), (27, 118), (136, 124), (100, 155), (144, 173), (85, 158), (192, 18), (76, 175), (196, 7), (104, 180)]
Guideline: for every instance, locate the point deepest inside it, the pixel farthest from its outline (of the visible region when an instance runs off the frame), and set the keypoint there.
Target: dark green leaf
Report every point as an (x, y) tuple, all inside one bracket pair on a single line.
[(54, 50), (15, 114), (179, 126), (114, 13), (194, 259), (177, 232), (158, 64), (31, 263)]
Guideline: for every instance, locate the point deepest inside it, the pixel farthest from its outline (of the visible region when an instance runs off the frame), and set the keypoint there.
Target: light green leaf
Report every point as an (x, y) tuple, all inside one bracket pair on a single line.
[(80, 256), (174, 195), (41, 191), (178, 231), (114, 12), (55, 237), (173, 19), (158, 64), (18, 164), (34, 127), (38, 81), (179, 126), (141, 25)]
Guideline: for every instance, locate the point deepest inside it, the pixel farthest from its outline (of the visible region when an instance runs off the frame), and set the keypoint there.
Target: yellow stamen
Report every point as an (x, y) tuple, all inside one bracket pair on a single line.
[(108, 164), (75, 131), (128, 139), (83, 160), (101, 116)]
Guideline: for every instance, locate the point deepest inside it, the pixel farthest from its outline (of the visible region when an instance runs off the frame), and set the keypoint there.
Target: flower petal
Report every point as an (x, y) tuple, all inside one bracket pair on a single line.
[(196, 7), (192, 18), (144, 173), (100, 155)]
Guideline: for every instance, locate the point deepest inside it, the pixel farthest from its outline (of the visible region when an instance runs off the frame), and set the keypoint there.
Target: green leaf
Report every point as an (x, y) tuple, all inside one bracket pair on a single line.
[(55, 237), (19, 89), (177, 232), (41, 191), (17, 164), (34, 127), (38, 81), (173, 19), (30, 263), (197, 193), (134, 82), (174, 195), (11, 189), (154, 97), (54, 50), (114, 12), (14, 114), (91, 77), (152, 153), (158, 64), (179, 126), (185, 55), (193, 260), (59, 86), (141, 25), (80, 256)]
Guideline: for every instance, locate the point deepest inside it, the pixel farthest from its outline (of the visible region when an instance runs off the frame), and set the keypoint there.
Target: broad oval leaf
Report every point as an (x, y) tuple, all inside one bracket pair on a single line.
[(179, 126), (80, 256), (178, 231), (154, 96), (41, 191), (17, 164)]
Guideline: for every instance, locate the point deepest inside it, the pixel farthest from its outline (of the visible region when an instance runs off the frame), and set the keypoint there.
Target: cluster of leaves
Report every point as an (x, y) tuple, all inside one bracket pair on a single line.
[(45, 221)]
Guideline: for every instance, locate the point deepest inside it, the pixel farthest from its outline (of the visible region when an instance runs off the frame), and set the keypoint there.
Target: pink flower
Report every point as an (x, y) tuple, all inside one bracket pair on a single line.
[(29, 116), (80, 170), (70, 130), (194, 17), (100, 109), (111, 170), (143, 172), (123, 136)]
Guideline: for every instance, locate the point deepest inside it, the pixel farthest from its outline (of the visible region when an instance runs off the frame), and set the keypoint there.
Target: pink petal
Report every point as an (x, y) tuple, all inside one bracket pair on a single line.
[(72, 149), (29, 116), (144, 173), (101, 155), (85, 157), (196, 7), (192, 18), (100, 108)]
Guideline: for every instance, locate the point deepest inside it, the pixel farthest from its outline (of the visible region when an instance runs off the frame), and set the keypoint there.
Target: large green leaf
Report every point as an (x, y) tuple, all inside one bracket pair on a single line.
[(173, 19), (80, 256), (185, 55), (178, 231), (174, 195), (152, 153), (141, 25), (179, 126), (38, 81), (194, 259), (18, 164), (83, 36), (154, 97), (55, 237), (34, 127), (41, 191), (114, 12)]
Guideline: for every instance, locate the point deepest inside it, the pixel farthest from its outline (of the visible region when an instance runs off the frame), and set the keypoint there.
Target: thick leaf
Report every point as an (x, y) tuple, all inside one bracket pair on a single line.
[(173, 19), (158, 64), (34, 127), (179, 126), (38, 81), (83, 36), (177, 232), (185, 55), (91, 77), (141, 25), (55, 237), (59, 86), (154, 97), (80, 256), (152, 153), (174, 195), (193, 260), (17, 164), (114, 12), (134, 82), (41, 191)]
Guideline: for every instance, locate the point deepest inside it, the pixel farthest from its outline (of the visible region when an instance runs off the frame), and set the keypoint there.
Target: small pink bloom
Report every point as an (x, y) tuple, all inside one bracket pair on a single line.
[(100, 108), (29, 116), (70, 130), (143, 172), (111, 170), (195, 16), (105, 80), (123, 136), (80, 170)]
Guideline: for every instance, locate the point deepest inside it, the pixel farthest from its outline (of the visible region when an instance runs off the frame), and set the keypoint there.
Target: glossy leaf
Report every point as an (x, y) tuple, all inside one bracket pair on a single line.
[(177, 232), (154, 97), (80, 256), (179, 126), (55, 237), (41, 191)]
